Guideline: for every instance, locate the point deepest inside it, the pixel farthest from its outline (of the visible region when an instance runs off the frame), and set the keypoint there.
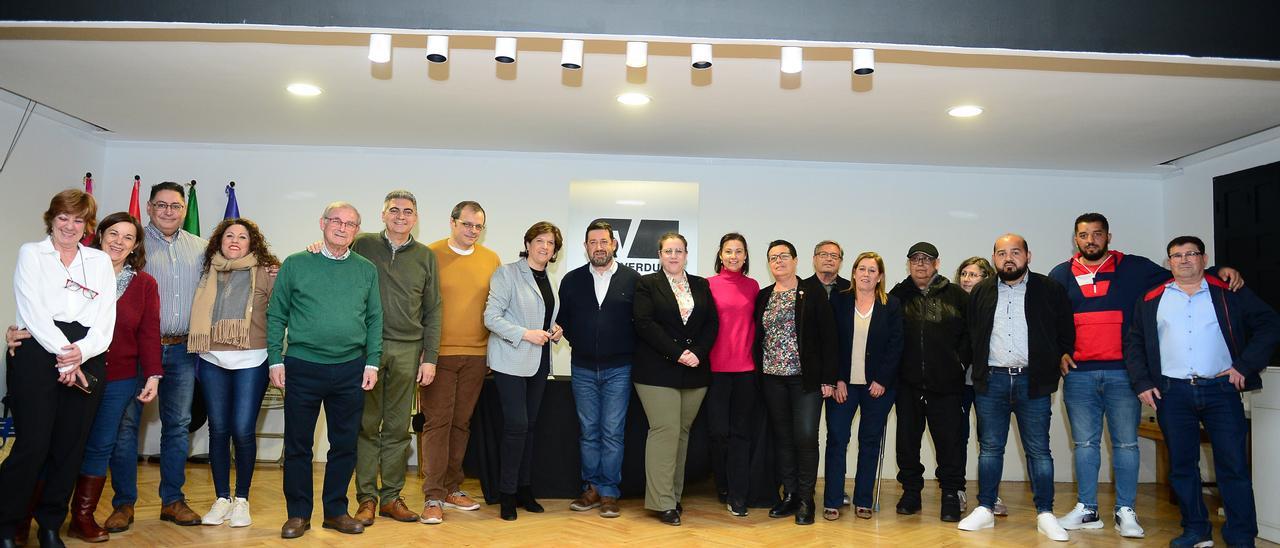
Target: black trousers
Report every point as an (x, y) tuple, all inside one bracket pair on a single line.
[(948, 426), (731, 404), (51, 422), (794, 413), (307, 386), (521, 398)]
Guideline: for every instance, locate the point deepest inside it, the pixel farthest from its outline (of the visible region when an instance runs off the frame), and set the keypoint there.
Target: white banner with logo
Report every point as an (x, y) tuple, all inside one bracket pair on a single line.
[(640, 212)]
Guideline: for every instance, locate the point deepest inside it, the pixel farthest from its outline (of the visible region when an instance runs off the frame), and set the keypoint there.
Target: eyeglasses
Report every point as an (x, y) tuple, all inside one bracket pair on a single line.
[(920, 259), (1185, 255), (470, 226), (73, 285), (828, 255), (397, 212), (781, 257), (352, 225), (964, 275), (599, 243), (165, 206), (672, 252)]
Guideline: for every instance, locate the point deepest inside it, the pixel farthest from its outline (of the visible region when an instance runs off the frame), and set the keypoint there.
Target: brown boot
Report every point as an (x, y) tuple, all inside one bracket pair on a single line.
[(83, 504), (120, 519), (179, 513), (23, 529), (365, 513)]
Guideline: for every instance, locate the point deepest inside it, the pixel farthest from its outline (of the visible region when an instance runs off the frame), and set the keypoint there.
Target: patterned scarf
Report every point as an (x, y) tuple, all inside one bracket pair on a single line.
[(223, 304)]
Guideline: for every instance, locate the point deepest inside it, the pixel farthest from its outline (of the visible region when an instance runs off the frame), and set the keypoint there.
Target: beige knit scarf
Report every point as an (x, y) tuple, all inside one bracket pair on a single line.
[(206, 329)]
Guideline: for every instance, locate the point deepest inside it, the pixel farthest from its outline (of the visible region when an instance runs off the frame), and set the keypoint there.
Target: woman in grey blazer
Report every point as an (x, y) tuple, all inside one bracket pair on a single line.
[(519, 313)]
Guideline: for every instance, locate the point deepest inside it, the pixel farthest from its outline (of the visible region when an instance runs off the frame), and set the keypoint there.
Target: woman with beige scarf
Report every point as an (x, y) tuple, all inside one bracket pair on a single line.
[(229, 332)]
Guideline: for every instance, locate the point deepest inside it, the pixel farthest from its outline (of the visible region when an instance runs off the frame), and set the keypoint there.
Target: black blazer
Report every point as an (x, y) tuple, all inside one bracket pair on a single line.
[(1051, 331), (815, 333), (662, 337), (884, 339)]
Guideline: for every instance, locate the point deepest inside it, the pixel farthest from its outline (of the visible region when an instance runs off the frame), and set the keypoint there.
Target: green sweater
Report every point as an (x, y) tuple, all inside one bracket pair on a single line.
[(410, 293), (331, 309)]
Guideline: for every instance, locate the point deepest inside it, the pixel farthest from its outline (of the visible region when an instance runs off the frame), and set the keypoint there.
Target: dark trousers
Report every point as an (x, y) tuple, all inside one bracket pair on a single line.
[(731, 403), (520, 397), (875, 413), (794, 413), (51, 422), (307, 386), (233, 398), (1183, 407), (948, 425)]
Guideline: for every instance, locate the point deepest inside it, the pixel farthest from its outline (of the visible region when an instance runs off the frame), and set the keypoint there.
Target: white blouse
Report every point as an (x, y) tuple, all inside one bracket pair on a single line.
[(39, 285)]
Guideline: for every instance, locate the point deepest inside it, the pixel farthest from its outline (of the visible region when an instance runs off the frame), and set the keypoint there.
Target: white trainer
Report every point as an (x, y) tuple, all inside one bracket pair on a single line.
[(1127, 523), (1081, 517), (1048, 526), (980, 518), (218, 513), (240, 513)]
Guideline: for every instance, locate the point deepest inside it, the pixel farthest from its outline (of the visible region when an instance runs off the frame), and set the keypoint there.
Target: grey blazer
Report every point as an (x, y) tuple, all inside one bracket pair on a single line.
[(515, 305)]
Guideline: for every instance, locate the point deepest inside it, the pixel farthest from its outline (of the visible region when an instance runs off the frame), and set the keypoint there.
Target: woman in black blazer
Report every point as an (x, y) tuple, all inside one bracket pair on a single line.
[(864, 312), (676, 325), (796, 349)]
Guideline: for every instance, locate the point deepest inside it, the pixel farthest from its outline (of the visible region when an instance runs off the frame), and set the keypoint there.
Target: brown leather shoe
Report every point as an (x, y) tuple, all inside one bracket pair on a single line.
[(295, 527), (609, 507), (365, 513), (343, 523), (179, 513), (397, 510), (83, 503), (587, 500), (120, 519)]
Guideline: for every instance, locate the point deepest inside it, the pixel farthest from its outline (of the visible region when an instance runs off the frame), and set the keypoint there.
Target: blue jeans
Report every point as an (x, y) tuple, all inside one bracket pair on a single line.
[(124, 457), (875, 413), (602, 397), (106, 429), (1008, 394), (233, 398), (1090, 396), (176, 391), (1183, 407)]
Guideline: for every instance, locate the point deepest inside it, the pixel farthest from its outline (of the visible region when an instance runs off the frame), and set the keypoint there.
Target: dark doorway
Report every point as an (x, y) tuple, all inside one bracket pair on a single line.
[(1246, 227)]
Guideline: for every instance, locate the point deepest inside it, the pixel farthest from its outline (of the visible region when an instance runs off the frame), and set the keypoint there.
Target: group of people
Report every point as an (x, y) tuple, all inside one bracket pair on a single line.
[(370, 325)]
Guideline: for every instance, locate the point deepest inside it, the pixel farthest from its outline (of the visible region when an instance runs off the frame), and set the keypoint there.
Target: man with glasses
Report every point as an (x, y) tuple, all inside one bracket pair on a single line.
[(1193, 347), (827, 258), (329, 304), (465, 267)]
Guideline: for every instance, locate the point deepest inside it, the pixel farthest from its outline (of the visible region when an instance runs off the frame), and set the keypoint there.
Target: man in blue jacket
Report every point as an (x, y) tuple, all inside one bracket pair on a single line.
[(595, 313), (1192, 347)]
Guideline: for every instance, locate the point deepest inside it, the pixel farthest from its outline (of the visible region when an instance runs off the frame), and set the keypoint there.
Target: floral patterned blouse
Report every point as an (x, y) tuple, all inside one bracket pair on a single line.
[(684, 297), (781, 355)]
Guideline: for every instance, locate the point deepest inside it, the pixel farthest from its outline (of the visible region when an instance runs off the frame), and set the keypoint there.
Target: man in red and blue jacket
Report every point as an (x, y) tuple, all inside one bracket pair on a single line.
[(1192, 347)]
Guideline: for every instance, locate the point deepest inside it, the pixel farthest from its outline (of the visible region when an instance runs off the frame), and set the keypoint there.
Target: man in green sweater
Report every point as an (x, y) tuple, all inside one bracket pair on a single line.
[(410, 345), (330, 305)]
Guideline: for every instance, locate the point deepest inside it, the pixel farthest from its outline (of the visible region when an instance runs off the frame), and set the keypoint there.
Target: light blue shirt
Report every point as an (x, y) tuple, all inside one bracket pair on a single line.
[(1191, 343), (1008, 347), (177, 265)]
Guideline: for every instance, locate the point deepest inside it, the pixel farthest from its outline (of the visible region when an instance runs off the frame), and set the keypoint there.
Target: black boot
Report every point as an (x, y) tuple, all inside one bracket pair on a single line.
[(784, 508), (49, 538), (804, 512), (524, 499), (909, 503), (950, 506), (508, 506)]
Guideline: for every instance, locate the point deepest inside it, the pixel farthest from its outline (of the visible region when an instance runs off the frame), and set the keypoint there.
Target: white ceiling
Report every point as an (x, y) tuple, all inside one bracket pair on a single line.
[(227, 86)]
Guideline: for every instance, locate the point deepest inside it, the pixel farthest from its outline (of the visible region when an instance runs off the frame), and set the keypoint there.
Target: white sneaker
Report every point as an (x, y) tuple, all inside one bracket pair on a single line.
[(1081, 517), (1048, 526), (980, 518), (1127, 523), (240, 513), (1000, 509), (218, 513)]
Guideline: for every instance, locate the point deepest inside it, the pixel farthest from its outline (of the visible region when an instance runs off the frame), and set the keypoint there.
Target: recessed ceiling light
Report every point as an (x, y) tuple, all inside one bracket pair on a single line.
[(305, 90), (630, 202), (965, 111), (634, 99)]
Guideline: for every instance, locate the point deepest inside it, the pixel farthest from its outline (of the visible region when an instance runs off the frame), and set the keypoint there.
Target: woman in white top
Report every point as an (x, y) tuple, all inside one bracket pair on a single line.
[(65, 296)]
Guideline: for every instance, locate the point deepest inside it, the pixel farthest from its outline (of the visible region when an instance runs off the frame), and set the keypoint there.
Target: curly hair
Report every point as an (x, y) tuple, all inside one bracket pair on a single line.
[(257, 242)]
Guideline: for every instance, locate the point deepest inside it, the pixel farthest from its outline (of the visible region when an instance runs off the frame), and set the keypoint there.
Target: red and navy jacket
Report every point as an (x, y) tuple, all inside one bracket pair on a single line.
[(1102, 299), (1249, 325)]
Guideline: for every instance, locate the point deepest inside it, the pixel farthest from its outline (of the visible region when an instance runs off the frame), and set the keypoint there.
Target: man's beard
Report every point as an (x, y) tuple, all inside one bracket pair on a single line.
[(1100, 253), (598, 260), (1011, 276)]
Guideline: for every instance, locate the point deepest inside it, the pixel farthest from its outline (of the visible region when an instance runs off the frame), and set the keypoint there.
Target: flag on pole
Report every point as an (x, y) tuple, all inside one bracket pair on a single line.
[(134, 210), (88, 187), (233, 208), (192, 222)]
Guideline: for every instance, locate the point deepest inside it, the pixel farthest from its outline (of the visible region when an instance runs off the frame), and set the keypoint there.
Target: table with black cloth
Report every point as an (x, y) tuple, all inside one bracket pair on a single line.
[(557, 458)]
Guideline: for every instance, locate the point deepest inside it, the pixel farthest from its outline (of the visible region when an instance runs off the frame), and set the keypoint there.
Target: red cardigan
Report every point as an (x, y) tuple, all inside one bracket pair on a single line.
[(136, 343)]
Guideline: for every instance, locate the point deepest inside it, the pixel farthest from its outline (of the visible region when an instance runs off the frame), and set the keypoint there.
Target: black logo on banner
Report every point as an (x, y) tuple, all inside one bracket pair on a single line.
[(638, 241)]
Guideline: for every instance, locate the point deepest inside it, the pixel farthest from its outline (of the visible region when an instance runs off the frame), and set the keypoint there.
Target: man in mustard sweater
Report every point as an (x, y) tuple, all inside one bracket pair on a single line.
[(330, 305), (464, 271)]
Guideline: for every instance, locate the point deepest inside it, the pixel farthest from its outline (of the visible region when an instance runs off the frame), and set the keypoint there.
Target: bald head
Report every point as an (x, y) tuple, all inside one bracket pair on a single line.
[(1011, 257), (1011, 238)]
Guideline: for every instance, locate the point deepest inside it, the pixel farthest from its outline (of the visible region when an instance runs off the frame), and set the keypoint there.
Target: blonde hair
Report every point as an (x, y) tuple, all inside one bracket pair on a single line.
[(881, 295)]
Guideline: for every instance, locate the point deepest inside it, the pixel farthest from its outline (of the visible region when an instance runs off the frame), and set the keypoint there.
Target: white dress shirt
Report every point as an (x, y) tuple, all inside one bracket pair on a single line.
[(602, 279), (39, 285)]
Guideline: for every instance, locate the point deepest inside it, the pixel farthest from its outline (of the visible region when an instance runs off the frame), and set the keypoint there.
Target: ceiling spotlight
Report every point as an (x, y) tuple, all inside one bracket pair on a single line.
[(864, 61), (380, 48), (701, 56), (792, 59), (305, 90), (634, 99), (637, 54), (504, 50), (437, 49), (571, 54), (965, 111)]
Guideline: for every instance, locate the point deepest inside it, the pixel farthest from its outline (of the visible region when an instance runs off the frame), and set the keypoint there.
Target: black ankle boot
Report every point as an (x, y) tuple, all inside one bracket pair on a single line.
[(524, 499), (49, 538), (784, 508), (804, 512), (508, 506)]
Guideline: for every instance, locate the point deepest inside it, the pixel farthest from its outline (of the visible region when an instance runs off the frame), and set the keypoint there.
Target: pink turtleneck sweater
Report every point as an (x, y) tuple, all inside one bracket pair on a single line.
[(735, 297)]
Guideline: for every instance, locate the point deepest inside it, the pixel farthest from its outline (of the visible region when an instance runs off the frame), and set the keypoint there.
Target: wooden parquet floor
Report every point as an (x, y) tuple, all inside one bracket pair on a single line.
[(706, 523)]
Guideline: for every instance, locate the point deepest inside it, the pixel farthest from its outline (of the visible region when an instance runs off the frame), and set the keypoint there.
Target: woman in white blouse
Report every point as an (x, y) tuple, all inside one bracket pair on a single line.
[(65, 296)]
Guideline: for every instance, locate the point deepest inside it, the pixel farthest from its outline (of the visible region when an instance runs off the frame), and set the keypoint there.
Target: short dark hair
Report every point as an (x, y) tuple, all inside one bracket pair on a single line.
[(600, 224), (1183, 240), (167, 185), (1092, 218), (777, 243), (137, 258), (746, 257), (543, 227), (74, 202), (465, 204), (672, 235)]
